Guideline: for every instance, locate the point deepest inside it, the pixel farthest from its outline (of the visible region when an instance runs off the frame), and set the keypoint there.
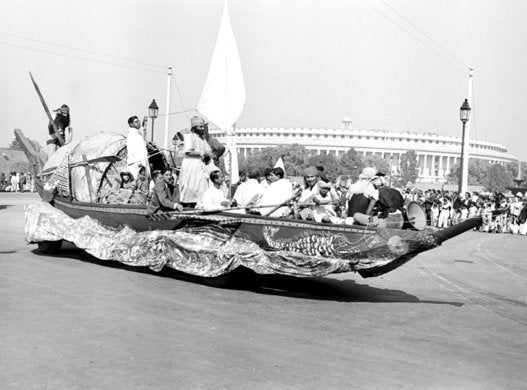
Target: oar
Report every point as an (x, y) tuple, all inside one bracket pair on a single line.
[(283, 203), (201, 211), (161, 150), (46, 109), (196, 212)]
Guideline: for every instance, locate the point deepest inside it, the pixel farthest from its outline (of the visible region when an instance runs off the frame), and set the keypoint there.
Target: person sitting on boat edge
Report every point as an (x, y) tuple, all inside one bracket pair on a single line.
[(265, 181), (249, 192), (165, 197), (63, 123), (324, 204), (361, 192), (127, 181), (311, 180), (214, 198), (279, 191), (389, 206)]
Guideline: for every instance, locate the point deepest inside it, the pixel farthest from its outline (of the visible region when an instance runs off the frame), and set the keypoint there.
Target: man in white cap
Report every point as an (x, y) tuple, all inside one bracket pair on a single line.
[(325, 200), (362, 191), (388, 206)]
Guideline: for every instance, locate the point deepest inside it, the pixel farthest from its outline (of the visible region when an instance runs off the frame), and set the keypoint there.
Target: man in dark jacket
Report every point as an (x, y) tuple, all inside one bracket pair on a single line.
[(166, 195)]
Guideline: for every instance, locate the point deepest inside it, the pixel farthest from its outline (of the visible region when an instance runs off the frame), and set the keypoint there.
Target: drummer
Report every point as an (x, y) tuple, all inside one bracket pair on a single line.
[(389, 206)]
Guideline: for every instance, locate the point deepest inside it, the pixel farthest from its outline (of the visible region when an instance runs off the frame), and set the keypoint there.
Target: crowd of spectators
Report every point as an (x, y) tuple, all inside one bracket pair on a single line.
[(446, 208), (17, 182)]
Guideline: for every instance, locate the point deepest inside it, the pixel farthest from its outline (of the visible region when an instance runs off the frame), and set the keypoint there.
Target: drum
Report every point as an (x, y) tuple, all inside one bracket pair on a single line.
[(416, 216)]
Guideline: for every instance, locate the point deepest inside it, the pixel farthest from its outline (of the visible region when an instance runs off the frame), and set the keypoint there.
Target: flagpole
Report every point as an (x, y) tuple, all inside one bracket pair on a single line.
[(167, 118)]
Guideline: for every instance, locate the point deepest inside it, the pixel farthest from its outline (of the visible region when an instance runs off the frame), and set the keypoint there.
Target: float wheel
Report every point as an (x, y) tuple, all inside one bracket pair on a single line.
[(49, 247)]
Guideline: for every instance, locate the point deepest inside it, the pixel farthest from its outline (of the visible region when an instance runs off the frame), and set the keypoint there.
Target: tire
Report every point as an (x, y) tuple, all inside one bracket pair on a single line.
[(239, 278), (49, 247)]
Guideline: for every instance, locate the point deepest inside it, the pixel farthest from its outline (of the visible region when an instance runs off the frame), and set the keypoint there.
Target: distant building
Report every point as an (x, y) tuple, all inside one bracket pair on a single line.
[(437, 154)]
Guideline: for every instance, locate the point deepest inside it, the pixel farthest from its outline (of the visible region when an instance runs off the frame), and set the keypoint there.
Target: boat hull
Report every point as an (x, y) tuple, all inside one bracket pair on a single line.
[(370, 251)]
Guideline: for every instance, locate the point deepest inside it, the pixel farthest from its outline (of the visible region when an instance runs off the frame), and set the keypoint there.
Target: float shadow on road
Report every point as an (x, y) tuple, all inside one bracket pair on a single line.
[(317, 288)]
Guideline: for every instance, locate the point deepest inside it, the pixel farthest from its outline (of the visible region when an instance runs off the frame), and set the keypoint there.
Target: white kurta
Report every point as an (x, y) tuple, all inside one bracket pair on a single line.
[(248, 191), (212, 199), (137, 152), (194, 174), (277, 193)]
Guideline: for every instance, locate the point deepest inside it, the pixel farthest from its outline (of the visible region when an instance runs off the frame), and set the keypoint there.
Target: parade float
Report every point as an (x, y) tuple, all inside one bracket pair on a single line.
[(76, 180)]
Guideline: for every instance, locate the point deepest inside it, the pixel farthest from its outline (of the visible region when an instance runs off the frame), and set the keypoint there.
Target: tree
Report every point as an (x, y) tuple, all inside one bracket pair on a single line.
[(295, 159), (351, 164), (497, 178), (15, 145), (328, 161), (408, 167), (493, 177), (377, 162), (512, 167)]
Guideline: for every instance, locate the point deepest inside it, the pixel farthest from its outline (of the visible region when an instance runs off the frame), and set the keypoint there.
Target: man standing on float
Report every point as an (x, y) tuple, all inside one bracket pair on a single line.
[(136, 147)]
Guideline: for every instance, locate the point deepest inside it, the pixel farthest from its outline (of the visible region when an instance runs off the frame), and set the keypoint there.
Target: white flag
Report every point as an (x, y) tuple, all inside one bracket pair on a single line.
[(280, 164), (223, 95)]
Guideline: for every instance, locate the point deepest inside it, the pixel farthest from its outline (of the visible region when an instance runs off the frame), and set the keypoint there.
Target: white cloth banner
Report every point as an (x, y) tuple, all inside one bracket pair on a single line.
[(223, 95)]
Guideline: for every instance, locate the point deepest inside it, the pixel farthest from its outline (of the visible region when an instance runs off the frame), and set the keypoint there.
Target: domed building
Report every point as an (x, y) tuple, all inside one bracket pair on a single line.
[(437, 154)]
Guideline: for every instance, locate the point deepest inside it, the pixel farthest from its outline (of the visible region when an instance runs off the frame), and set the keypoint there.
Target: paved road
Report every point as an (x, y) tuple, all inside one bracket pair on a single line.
[(452, 318)]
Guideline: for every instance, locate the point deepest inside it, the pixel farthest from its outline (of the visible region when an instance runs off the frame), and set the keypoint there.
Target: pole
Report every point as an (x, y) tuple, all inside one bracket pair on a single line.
[(46, 109), (466, 138), (461, 189), (152, 140), (167, 118), (391, 170)]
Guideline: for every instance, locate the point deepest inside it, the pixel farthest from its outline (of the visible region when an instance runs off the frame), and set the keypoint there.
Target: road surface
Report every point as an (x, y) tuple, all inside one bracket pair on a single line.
[(452, 318)]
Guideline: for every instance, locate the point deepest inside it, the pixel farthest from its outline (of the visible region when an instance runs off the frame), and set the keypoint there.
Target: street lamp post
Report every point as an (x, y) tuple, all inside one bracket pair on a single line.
[(152, 113), (391, 170), (464, 114)]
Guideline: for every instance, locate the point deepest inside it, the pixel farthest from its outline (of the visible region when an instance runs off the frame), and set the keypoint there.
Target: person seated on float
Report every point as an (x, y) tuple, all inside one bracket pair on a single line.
[(165, 196), (324, 204), (127, 181), (322, 174), (389, 205), (214, 198), (141, 183), (279, 192), (360, 192), (249, 192), (303, 205), (265, 181)]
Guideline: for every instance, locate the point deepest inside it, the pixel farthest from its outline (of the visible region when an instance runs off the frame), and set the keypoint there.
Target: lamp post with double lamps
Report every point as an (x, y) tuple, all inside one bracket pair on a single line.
[(464, 115), (152, 113)]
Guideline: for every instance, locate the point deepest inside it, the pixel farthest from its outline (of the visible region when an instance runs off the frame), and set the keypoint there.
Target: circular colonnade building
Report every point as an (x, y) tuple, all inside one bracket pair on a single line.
[(436, 154)]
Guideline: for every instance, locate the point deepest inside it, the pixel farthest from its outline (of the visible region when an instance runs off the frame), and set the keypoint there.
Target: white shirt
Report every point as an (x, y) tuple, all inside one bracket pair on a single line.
[(364, 187), (277, 193), (248, 191), (137, 153), (308, 193), (212, 199)]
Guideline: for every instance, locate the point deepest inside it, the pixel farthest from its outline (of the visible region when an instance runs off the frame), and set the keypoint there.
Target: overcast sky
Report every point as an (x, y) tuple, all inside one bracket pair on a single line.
[(306, 63)]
